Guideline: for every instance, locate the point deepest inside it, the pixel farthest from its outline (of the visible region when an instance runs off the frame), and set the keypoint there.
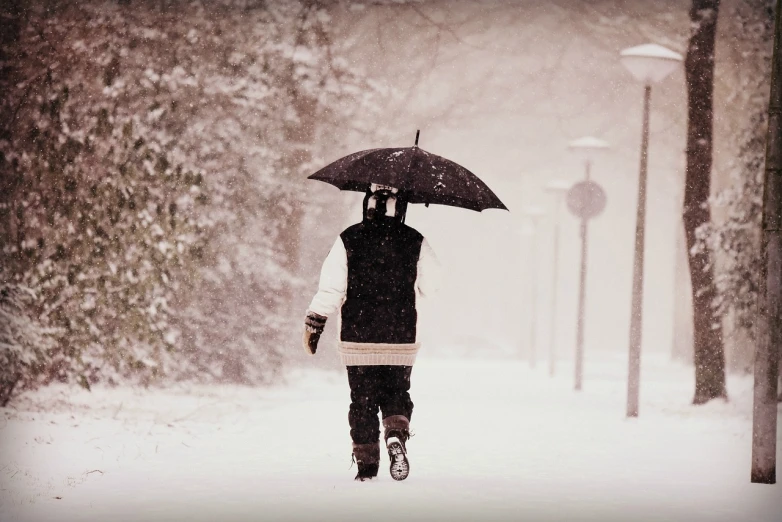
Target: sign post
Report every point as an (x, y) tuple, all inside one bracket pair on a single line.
[(585, 200)]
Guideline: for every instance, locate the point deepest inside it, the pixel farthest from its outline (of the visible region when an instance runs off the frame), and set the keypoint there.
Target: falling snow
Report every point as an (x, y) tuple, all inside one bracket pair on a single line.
[(159, 242)]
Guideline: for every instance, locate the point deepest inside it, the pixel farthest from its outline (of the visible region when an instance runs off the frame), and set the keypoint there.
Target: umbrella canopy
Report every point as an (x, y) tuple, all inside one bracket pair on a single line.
[(423, 176)]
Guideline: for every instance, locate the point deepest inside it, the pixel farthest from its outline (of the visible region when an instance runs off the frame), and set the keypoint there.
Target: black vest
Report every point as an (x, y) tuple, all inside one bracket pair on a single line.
[(382, 269)]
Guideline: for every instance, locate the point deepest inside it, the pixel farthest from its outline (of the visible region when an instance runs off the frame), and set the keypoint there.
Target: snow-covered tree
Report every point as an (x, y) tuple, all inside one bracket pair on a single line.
[(709, 354), (736, 239), (96, 199), (150, 179)]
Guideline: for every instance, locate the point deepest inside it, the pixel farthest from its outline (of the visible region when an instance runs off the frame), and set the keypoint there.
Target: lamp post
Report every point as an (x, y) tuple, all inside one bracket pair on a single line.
[(557, 188), (587, 149), (649, 63), (533, 214)]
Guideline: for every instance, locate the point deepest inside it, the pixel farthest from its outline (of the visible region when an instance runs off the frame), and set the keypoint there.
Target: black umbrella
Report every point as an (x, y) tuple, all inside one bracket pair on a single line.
[(423, 176)]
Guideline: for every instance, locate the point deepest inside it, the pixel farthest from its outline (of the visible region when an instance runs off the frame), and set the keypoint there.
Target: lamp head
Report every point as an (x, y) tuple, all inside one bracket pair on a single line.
[(588, 148), (650, 63)]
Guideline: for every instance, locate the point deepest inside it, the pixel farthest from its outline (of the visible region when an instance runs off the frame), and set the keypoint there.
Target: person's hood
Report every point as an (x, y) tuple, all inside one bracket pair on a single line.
[(383, 204)]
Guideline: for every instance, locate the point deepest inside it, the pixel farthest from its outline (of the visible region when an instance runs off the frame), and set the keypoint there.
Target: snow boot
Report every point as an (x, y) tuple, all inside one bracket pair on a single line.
[(397, 431), (367, 458)]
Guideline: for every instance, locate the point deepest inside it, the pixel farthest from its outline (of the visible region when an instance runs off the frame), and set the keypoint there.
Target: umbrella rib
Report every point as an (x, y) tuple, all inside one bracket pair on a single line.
[(412, 157)]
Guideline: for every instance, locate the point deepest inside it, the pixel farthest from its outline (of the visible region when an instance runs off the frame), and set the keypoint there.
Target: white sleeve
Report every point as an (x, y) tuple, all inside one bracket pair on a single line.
[(333, 281), (429, 276)]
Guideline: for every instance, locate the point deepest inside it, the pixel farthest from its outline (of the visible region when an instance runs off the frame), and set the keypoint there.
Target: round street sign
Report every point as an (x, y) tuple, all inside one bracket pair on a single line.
[(586, 199)]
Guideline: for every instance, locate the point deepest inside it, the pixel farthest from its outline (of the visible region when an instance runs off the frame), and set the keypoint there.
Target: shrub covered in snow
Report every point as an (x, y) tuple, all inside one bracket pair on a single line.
[(150, 159), (25, 345)]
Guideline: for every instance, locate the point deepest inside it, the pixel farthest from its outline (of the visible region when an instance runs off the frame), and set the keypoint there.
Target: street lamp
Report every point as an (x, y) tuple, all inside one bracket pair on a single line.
[(588, 149), (588, 205), (557, 188), (649, 63), (533, 214)]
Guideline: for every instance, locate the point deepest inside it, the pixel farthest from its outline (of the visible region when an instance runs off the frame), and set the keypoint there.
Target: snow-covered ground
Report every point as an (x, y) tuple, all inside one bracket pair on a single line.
[(494, 440)]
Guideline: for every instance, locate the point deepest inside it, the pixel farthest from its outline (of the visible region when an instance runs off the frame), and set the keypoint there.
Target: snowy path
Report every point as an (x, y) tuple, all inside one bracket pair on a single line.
[(494, 441)]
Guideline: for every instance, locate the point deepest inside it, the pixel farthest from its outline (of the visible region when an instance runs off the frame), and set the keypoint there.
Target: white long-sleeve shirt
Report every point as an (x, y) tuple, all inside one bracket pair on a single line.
[(332, 290), (334, 278)]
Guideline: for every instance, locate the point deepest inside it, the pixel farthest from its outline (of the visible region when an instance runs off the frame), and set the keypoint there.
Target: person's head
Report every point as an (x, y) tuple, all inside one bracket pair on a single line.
[(384, 204)]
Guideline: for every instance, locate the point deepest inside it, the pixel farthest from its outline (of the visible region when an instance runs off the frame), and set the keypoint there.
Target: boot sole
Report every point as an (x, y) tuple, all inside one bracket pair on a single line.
[(400, 466)]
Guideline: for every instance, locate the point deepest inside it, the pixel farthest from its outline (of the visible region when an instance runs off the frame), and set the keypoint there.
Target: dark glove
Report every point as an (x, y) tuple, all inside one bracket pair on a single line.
[(313, 327)]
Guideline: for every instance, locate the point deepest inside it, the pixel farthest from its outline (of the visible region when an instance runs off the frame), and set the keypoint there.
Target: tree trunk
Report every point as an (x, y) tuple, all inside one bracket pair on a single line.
[(299, 137), (769, 339), (709, 354), (299, 141), (10, 13), (682, 304)]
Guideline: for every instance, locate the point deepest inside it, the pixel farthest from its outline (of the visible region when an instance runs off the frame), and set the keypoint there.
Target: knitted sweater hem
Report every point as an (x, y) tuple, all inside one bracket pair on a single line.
[(377, 354)]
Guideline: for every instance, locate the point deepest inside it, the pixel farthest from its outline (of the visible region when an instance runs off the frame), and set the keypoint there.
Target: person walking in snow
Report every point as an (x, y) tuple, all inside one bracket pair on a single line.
[(374, 275)]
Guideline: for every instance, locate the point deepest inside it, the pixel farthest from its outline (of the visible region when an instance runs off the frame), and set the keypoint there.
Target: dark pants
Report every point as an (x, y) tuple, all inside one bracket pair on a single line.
[(372, 388)]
